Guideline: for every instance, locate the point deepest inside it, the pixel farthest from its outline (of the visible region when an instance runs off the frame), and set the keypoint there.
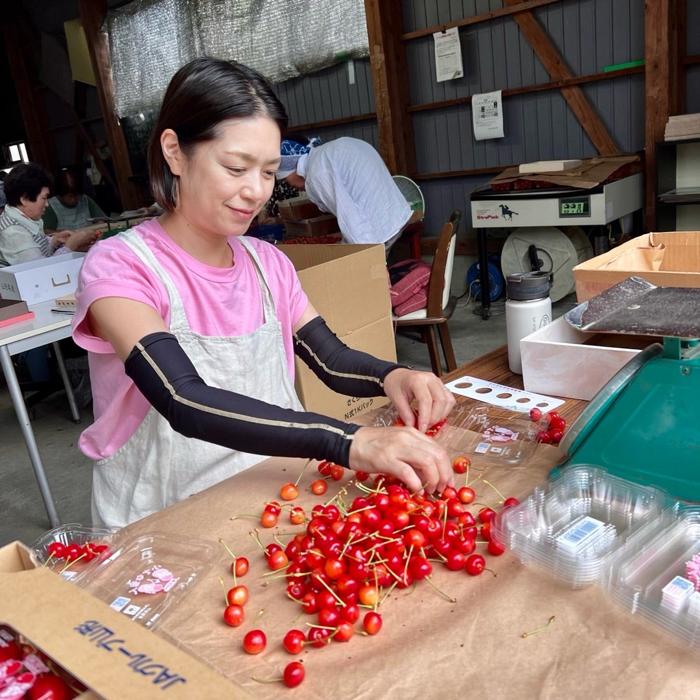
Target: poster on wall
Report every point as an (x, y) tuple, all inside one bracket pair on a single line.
[(448, 55), (487, 115)]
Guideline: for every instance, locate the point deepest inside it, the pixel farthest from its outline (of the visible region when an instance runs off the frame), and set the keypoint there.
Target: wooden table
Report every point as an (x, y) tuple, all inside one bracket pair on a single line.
[(427, 648)]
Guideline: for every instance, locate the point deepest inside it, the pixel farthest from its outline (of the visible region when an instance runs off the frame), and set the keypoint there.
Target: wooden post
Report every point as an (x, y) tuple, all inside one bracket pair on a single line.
[(555, 65), (661, 30), (388, 62), (40, 147), (92, 14)]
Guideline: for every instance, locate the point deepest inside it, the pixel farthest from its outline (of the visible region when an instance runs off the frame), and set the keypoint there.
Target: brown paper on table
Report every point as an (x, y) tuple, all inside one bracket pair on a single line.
[(428, 647), (590, 173)]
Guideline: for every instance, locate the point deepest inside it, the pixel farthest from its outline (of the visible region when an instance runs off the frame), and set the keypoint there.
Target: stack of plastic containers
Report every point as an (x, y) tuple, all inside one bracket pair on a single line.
[(641, 546)]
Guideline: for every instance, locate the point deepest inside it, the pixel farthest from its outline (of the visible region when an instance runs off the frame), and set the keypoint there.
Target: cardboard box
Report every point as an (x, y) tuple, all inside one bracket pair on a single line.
[(112, 656), (297, 208), (41, 280), (560, 360), (669, 259), (349, 286), (316, 226)]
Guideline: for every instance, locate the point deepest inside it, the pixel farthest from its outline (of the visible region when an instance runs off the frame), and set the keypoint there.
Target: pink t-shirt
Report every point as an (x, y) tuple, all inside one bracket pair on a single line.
[(218, 302)]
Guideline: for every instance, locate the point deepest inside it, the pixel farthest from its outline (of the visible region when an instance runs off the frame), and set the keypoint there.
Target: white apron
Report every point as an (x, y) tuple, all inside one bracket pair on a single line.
[(157, 466)]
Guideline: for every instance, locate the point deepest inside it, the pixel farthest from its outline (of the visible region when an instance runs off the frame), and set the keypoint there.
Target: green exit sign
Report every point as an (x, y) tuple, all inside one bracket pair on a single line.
[(575, 206)]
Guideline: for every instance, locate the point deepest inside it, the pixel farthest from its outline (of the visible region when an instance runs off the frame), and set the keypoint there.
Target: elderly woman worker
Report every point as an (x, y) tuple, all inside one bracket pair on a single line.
[(192, 327), (70, 208), (22, 236)]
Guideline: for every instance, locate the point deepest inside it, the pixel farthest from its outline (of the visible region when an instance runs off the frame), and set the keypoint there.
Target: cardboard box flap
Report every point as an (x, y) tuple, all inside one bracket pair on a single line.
[(331, 272), (107, 652)]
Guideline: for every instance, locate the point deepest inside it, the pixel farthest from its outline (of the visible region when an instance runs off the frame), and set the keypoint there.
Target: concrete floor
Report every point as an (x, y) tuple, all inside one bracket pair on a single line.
[(69, 472)]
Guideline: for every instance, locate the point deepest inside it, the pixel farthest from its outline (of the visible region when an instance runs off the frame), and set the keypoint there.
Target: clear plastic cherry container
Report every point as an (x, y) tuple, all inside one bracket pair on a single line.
[(571, 525), (73, 549), (147, 575), (656, 574)]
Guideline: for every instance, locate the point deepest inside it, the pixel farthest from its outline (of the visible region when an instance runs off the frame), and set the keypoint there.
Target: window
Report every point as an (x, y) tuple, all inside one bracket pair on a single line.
[(18, 152)]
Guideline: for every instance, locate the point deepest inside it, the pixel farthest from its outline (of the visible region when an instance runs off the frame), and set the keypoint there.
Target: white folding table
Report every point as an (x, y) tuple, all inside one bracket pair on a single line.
[(47, 327)]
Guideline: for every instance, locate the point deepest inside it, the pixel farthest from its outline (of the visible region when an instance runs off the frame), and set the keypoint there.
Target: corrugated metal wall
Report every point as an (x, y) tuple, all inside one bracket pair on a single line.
[(591, 34)]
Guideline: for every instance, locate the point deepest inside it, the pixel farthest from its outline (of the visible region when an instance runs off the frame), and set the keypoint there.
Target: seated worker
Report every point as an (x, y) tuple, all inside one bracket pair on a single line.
[(69, 208), (22, 236), (347, 178)]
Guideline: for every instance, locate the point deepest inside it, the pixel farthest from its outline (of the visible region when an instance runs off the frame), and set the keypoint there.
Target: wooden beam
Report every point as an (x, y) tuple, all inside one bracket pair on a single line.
[(17, 38), (369, 116), (388, 63), (92, 14), (554, 64), (681, 43), (691, 60), (471, 172), (477, 19), (661, 97), (527, 89)]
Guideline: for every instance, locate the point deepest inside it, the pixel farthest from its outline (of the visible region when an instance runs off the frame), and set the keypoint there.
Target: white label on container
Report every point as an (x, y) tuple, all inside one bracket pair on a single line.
[(131, 609), (118, 603), (482, 448), (580, 533), (69, 575), (677, 590)]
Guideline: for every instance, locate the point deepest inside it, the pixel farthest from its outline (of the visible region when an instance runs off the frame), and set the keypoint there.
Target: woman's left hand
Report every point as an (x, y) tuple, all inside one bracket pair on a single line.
[(432, 399)]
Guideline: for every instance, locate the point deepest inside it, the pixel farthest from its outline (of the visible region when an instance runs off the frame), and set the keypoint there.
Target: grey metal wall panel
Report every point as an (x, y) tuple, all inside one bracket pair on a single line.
[(590, 34), (693, 89), (693, 26)]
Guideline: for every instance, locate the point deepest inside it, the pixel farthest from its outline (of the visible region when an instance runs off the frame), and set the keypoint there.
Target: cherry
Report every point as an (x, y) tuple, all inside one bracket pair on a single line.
[(455, 560), (297, 515), (486, 515), (328, 617), (555, 435), (254, 642), (368, 595), (337, 472), (475, 564), (372, 622), (289, 491), (414, 538), (273, 507), (234, 615), (486, 531), (238, 595), (361, 476), (277, 560), (293, 641), (535, 415), (309, 603), (343, 632), (10, 650), (73, 551), (350, 613), (461, 464), (49, 687), (293, 674), (466, 495), (239, 566), (544, 437), (495, 548), (318, 637), (57, 549), (319, 487), (510, 502), (268, 519)]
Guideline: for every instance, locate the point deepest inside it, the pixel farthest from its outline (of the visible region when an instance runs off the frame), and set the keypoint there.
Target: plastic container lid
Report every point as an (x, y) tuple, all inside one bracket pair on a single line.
[(528, 286), (147, 575), (570, 526)]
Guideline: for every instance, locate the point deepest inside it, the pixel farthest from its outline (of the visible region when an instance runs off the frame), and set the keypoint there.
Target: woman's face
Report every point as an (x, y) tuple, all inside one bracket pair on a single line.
[(225, 182), (35, 209)]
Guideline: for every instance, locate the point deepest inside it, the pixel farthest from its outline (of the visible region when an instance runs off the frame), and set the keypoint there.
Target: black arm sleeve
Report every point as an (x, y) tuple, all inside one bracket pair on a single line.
[(164, 374), (339, 367)]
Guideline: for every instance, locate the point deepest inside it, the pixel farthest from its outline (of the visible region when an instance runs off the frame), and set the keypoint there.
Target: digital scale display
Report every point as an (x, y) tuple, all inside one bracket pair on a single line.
[(575, 206)]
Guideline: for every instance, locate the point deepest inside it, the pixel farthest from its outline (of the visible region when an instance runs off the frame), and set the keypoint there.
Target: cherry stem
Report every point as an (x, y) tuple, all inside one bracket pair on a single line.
[(48, 561), (330, 590), (442, 593), (338, 495), (240, 516), (301, 473), (70, 563), (488, 483), (266, 680), (321, 627), (491, 571), (223, 587), (256, 536), (525, 635), (388, 593)]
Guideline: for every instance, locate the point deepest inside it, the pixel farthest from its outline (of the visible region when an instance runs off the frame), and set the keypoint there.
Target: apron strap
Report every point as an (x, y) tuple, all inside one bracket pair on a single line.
[(178, 317), (269, 312)]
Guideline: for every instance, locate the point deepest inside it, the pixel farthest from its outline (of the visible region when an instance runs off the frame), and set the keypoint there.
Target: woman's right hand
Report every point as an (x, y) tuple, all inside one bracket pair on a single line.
[(404, 453)]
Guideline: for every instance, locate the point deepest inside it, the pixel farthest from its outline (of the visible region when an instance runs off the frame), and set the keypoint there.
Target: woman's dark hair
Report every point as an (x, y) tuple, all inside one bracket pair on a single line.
[(201, 95), (67, 183), (25, 180)]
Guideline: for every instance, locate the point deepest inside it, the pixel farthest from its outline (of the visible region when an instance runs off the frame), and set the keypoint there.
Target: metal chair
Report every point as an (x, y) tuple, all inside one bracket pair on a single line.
[(431, 321)]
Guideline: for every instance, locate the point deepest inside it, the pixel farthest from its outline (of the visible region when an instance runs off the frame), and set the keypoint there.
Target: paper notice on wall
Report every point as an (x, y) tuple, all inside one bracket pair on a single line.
[(487, 115), (448, 55)]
